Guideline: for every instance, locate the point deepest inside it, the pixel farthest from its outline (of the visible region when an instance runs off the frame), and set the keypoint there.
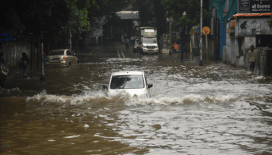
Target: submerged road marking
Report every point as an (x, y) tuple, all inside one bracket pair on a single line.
[(88, 56)]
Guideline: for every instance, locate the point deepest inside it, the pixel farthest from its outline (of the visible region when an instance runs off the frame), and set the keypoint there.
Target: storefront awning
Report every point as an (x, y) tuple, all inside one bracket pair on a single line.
[(250, 14)]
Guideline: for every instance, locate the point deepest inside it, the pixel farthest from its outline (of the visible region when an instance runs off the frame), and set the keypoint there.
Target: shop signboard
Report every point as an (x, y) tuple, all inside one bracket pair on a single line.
[(255, 6)]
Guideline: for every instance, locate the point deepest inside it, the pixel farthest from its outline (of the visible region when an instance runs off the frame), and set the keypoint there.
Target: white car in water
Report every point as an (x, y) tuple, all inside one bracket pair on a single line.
[(132, 82)]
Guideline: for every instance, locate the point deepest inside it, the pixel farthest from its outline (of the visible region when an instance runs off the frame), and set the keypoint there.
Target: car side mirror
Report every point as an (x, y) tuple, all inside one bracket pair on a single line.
[(105, 87), (149, 85)]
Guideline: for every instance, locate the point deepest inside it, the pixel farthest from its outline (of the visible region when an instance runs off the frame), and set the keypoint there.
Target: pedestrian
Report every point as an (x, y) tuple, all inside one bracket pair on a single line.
[(97, 40), (3, 72), (179, 43), (252, 55), (2, 58), (127, 43), (24, 64), (94, 40), (175, 46), (122, 39), (101, 40)]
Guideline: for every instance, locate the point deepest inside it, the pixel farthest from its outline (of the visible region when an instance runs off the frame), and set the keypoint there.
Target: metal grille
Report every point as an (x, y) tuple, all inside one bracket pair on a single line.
[(150, 47), (269, 63)]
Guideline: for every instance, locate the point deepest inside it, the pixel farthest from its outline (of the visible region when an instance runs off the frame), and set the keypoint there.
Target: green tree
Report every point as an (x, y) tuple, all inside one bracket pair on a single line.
[(53, 17), (176, 8), (32, 16), (152, 13), (270, 21)]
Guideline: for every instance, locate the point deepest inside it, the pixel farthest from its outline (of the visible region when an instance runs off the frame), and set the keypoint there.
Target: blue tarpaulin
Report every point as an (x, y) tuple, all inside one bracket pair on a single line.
[(220, 7), (4, 34), (8, 38), (5, 39)]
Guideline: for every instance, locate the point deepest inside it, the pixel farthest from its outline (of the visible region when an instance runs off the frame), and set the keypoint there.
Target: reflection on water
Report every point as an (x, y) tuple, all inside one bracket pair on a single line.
[(193, 110)]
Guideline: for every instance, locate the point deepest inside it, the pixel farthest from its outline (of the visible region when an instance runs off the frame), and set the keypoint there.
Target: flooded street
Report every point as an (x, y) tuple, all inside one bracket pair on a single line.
[(215, 109)]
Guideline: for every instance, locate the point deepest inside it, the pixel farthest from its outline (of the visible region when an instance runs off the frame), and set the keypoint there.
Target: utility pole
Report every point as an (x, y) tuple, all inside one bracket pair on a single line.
[(170, 36), (42, 56), (38, 51), (70, 39), (31, 48), (201, 18), (170, 20)]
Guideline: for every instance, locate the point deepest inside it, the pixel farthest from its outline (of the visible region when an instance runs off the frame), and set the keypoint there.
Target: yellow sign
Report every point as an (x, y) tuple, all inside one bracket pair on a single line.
[(206, 30), (192, 31)]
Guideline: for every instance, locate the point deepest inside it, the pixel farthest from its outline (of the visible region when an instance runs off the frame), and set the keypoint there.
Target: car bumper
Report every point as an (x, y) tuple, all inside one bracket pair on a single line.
[(156, 50), (56, 64)]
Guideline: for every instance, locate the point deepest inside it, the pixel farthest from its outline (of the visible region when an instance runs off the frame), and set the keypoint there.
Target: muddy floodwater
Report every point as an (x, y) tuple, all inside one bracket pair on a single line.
[(215, 109)]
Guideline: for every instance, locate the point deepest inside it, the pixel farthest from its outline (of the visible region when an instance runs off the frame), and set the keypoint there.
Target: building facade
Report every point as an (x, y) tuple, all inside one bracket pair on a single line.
[(246, 28)]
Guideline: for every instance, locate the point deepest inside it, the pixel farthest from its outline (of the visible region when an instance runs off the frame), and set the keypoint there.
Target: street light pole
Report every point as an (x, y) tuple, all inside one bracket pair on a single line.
[(70, 34), (201, 14), (42, 56), (184, 37)]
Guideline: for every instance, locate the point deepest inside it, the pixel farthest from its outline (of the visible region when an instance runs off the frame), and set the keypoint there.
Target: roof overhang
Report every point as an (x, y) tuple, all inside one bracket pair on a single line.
[(249, 15), (128, 14)]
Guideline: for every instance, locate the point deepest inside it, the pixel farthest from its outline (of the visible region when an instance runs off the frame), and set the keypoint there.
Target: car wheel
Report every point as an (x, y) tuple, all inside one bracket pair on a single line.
[(69, 65)]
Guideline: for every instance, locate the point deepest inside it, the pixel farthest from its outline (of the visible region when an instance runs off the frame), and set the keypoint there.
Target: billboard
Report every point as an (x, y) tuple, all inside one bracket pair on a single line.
[(255, 6), (149, 33)]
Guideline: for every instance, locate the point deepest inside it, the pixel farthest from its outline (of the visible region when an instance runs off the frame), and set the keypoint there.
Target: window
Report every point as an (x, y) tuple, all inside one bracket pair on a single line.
[(56, 53), (127, 82), (68, 52), (149, 40)]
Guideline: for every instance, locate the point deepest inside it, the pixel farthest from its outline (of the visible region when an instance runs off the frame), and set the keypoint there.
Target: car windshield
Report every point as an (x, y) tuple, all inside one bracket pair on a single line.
[(149, 40), (127, 82), (56, 53)]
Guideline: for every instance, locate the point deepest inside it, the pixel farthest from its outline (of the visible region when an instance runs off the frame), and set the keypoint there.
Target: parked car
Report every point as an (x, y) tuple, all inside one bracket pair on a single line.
[(132, 82), (61, 58)]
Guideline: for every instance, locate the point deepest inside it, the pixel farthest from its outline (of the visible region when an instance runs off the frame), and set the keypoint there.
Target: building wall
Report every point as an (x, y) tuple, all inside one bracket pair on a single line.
[(253, 26), (238, 42), (13, 53)]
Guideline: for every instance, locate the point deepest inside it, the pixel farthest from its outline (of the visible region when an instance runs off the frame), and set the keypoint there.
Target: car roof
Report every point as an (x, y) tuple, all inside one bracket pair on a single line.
[(128, 73), (59, 49)]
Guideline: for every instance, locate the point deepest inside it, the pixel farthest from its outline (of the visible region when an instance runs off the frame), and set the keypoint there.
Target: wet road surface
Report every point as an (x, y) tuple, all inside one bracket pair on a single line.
[(216, 109)]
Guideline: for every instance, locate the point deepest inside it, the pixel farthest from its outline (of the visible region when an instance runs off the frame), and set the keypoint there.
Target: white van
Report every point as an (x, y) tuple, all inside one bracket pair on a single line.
[(149, 45)]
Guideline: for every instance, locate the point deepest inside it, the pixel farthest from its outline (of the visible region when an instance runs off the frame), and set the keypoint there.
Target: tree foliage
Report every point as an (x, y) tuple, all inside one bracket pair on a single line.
[(152, 13), (53, 17), (175, 9), (270, 21)]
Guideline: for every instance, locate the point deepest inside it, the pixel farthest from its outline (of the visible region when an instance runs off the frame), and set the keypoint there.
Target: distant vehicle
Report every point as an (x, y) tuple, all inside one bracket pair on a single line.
[(166, 47), (148, 40), (132, 82), (61, 58)]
